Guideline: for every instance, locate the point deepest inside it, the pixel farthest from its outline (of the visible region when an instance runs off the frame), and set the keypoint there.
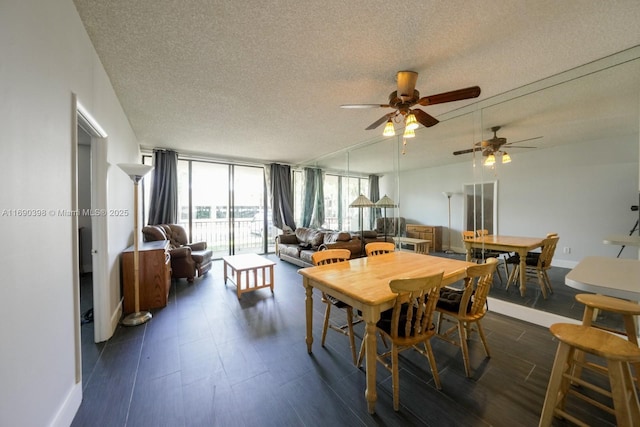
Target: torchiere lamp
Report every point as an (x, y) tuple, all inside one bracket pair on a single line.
[(361, 202), (448, 195), (385, 203), (136, 172)]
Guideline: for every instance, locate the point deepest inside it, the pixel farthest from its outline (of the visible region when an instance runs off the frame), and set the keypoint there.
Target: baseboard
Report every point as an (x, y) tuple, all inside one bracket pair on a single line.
[(115, 318), (66, 413), (527, 314)]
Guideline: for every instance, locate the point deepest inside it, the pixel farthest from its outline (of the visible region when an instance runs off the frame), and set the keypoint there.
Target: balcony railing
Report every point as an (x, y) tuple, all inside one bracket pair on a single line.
[(248, 235)]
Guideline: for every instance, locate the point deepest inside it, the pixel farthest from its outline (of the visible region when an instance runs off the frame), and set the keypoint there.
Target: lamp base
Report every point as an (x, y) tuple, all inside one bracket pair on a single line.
[(137, 318)]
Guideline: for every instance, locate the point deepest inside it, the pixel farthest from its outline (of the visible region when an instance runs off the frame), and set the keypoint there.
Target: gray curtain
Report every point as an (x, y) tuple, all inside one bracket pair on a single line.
[(163, 206), (281, 196), (374, 196), (313, 202)]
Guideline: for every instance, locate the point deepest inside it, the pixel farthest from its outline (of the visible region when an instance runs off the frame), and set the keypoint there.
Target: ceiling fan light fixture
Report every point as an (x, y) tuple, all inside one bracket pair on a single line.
[(389, 130), (409, 133), (506, 158), (411, 122), (491, 160)]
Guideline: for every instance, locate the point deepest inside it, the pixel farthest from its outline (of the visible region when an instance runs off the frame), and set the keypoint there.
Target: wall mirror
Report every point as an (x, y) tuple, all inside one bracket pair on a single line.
[(583, 110)]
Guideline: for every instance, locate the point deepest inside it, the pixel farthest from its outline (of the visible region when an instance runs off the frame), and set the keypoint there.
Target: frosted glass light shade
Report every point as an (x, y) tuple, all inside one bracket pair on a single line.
[(411, 122), (409, 133), (389, 130), (491, 160), (135, 170)]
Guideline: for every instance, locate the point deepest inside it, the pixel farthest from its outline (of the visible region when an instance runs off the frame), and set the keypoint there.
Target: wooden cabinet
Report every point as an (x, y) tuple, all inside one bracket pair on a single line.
[(427, 232), (154, 270)]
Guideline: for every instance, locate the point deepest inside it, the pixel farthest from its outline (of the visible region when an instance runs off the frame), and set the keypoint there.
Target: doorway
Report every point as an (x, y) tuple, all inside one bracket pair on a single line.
[(89, 239), (481, 207)]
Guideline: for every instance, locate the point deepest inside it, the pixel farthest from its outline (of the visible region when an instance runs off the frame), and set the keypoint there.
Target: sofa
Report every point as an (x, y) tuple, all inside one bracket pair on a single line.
[(298, 247), (188, 260)]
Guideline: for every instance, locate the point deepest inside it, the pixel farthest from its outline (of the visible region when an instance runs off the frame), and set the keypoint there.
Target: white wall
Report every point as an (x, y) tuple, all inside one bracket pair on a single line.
[(47, 56), (583, 191)]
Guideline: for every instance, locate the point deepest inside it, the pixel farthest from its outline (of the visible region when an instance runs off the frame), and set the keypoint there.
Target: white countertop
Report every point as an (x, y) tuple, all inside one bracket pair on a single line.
[(614, 277), (623, 240)]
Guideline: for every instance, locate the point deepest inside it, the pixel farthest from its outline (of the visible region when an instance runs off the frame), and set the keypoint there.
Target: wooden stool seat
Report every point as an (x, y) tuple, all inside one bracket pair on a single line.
[(614, 305), (618, 353)]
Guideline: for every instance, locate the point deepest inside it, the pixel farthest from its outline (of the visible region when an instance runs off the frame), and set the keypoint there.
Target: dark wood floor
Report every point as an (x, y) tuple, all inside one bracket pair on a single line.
[(208, 359)]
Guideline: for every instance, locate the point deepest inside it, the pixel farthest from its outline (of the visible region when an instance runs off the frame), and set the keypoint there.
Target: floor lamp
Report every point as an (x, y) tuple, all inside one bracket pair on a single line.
[(136, 172), (385, 203), (448, 195), (361, 202)]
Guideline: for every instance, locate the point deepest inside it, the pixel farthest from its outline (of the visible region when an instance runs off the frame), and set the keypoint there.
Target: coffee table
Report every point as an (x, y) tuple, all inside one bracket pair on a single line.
[(420, 246), (258, 272)]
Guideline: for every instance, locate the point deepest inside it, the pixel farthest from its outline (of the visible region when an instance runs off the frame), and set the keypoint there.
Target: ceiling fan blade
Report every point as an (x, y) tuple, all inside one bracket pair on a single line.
[(380, 121), (517, 146), (454, 95), (354, 106), (406, 83), (469, 150), (523, 140), (427, 120)]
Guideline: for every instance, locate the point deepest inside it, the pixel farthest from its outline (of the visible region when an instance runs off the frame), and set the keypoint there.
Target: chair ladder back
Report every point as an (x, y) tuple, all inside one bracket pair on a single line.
[(420, 296), (468, 235), (548, 250), (482, 275), (330, 256), (379, 248)]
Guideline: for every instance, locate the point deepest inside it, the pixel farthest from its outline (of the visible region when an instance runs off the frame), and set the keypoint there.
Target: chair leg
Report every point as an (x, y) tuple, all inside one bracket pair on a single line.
[(395, 377), (352, 342), (462, 333), (554, 397), (513, 276), (542, 284), (432, 364), (483, 338), (547, 281), (325, 326), (438, 323)]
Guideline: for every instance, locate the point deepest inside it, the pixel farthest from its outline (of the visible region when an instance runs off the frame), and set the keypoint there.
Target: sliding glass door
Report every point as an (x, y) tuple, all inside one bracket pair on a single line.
[(224, 205)]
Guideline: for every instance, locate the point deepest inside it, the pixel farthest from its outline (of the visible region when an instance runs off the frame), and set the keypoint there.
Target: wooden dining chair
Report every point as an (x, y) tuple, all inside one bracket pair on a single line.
[(491, 253), (538, 267), (408, 324), (466, 307), (330, 256), (379, 248), (476, 254), (532, 258)]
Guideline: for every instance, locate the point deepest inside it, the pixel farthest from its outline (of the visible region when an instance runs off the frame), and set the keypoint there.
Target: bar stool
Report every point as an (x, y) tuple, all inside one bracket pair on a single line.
[(618, 353), (627, 309)]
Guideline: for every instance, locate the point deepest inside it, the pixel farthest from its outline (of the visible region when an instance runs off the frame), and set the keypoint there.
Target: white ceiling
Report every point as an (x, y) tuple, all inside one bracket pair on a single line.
[(263, 81)]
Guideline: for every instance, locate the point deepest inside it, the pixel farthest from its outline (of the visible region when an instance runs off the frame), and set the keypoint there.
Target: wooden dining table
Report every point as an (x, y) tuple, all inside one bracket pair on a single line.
[(363, 283), (519, 245)]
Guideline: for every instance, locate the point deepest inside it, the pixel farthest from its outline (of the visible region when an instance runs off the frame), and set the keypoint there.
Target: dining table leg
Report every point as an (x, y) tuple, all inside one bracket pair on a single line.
[(468, 251), (309, 312), (371, 394)]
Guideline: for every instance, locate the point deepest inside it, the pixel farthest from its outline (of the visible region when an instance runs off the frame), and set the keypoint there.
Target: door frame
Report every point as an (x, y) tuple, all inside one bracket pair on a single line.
[(99, 226)]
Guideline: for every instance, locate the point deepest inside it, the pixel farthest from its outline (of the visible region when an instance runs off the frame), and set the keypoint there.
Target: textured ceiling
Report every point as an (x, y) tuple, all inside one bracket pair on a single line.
[(263, 81)]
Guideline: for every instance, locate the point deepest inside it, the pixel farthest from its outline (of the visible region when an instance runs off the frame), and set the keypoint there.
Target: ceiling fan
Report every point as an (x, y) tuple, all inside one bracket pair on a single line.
[(494, 146), (405, 97)]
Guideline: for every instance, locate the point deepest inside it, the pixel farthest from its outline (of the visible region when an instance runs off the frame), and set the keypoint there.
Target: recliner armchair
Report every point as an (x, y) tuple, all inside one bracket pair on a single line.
[(188, 260), (391, 226)]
